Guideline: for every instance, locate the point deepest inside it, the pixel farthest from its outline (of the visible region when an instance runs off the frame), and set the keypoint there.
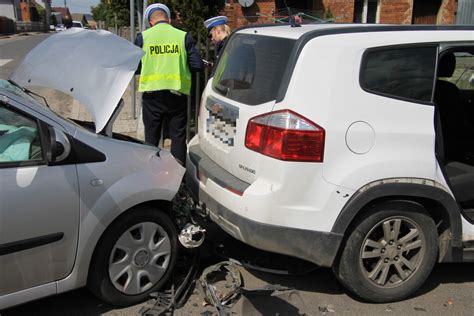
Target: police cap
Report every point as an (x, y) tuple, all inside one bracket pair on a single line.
[(215, 21), (155, 7)]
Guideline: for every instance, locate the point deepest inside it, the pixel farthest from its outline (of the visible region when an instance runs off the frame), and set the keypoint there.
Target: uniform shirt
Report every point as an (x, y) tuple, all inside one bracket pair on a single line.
[(194, 58), (219, 46)]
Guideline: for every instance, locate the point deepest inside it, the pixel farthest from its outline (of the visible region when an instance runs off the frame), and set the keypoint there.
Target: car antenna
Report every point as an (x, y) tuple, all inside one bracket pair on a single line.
[(29, 92)]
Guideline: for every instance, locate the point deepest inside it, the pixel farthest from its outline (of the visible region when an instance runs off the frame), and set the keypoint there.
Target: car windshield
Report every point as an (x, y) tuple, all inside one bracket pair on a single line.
[(4, 84), (76, 24), (16, 90)]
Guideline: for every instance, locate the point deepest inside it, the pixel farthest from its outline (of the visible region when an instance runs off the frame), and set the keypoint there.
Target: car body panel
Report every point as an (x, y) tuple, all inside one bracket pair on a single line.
[(322, 85), (30, 268), (94, 72), (129, 174)]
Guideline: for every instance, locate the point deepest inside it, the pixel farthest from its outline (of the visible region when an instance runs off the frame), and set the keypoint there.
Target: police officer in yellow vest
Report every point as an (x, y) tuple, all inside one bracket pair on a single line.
[(165, 78)]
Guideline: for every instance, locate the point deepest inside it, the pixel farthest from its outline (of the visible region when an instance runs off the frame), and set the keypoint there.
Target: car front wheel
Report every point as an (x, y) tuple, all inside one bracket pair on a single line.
[(134, 258), (389, 253)]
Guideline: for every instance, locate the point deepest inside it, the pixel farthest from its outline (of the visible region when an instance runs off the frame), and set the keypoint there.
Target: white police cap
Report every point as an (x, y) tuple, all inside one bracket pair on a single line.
[(155, 7), (215, 21)]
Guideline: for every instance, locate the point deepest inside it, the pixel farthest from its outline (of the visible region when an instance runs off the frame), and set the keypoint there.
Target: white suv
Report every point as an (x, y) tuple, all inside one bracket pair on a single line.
[(349, 146)]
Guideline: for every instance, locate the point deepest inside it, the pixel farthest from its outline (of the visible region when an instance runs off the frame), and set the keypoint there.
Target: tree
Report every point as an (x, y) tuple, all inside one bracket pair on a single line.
[(192, 13), (112, 11)]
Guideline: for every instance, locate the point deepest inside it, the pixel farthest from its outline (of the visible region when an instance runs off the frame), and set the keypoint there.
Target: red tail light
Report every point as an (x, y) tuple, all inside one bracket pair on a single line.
[(286, 135)]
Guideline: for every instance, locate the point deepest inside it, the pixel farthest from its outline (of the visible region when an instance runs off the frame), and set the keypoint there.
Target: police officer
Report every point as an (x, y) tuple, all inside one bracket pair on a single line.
[(219, 32), (165, 78)]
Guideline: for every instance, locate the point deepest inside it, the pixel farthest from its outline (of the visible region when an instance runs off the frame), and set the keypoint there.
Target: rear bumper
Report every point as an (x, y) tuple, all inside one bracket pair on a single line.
[(315, 246)]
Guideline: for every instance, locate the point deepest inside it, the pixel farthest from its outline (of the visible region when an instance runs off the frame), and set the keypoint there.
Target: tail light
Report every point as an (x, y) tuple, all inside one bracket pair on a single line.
[(286, 135)]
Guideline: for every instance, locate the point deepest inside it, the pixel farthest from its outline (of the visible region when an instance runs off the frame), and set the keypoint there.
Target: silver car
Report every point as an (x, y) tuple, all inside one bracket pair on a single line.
[(81, 206)]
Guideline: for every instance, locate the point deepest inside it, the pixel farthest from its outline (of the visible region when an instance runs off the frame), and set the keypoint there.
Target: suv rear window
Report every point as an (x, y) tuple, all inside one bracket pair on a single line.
[(251, 68), (401, 73)]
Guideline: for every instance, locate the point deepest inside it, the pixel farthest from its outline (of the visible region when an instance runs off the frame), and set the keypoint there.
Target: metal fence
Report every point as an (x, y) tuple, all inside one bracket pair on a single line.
[(465, 12), (198, 83), (29, 26)]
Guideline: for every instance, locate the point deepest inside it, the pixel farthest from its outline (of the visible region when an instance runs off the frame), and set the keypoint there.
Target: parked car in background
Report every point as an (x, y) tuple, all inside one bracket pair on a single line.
[(350, 146), (79, 204), (60, 27), (77, 24)]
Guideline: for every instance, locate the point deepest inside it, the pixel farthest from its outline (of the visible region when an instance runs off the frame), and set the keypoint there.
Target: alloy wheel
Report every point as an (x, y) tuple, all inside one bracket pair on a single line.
[(392, 251)]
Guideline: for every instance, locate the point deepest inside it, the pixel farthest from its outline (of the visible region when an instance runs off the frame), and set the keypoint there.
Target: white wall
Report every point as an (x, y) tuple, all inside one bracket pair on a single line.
[(10, 9)]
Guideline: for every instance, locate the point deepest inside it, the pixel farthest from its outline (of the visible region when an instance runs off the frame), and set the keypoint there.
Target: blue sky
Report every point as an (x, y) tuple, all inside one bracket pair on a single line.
[(76, 6)]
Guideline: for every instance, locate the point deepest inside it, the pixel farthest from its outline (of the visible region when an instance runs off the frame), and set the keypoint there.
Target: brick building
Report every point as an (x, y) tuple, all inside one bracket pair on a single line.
[(29, 12), (345, 11)]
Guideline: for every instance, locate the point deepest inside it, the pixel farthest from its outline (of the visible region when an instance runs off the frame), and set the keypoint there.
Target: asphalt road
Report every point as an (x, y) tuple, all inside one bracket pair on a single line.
[(14, 48), (449, 290)]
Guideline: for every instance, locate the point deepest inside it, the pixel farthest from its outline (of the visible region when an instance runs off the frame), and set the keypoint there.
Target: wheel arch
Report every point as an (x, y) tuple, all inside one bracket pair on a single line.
[(159, 205), (438, 203), (80, 274), (143, 209)]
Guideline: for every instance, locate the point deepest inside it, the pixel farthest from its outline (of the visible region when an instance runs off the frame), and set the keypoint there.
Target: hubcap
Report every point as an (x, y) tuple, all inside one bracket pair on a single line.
[(139, 258), (392, 251)]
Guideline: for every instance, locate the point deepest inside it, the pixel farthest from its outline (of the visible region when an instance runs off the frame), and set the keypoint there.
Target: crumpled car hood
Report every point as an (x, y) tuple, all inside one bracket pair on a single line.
[(94, 67)]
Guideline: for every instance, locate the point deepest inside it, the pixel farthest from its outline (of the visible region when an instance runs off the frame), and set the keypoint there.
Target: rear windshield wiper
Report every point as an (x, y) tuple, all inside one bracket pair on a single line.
[(222, 89)]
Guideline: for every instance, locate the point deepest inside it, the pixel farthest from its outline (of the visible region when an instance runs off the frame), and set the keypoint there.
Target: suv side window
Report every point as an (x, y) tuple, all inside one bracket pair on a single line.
[(463, 76), (406, 73), (19, 138)]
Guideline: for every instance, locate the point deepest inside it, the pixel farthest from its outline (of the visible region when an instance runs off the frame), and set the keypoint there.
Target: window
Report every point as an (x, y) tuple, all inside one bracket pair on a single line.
[(463, 76), (366, 11), (251, 68), (19, 137), (402, 73)]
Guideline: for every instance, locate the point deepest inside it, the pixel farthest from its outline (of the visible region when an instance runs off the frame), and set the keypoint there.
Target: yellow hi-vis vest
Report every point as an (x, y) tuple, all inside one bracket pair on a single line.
[(165, 63)]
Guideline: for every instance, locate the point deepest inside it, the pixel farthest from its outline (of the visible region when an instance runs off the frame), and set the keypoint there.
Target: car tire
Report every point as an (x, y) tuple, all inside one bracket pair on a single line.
[(377, 265), (135, 256)]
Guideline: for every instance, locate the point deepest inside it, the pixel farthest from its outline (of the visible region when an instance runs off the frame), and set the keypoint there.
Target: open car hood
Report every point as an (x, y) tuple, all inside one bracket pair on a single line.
[(94, 67)]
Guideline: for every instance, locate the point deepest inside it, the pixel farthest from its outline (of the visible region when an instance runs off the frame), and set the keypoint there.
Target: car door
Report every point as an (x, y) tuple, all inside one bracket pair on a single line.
[(39, 202)]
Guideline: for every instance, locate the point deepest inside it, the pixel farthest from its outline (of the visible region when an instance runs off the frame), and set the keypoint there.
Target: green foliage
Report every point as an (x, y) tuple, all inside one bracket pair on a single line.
[(328, 14), (112, 11), (191, 13)]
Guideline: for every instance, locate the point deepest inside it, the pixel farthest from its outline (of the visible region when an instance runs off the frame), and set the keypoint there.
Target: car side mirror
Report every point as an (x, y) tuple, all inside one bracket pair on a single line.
[(60, 145), (471, 80)]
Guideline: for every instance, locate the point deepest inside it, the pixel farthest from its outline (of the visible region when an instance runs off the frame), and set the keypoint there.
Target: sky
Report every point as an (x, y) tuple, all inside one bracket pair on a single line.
[(76, 6)]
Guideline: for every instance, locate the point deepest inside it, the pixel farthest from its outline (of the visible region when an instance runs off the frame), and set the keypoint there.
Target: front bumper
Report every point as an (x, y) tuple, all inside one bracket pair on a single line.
[(318, 247)]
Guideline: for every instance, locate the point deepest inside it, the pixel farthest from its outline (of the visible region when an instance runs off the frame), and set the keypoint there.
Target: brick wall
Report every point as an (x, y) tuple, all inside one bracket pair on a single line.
[(447, 12), (239, 16), (396, 11), (25, 11), (341, 10), (391, 11)]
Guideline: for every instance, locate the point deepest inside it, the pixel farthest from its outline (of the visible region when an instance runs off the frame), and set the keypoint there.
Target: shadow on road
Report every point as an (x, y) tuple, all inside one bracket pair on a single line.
[(304, 277), (75, 303)]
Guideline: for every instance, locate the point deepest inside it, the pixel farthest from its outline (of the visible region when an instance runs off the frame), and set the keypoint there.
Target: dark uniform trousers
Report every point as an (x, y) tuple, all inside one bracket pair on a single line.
[(158, 105)]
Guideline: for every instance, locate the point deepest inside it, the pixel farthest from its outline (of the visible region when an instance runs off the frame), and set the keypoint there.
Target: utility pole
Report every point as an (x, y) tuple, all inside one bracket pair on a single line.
[(47, 9), (145, 4), (132, 39)]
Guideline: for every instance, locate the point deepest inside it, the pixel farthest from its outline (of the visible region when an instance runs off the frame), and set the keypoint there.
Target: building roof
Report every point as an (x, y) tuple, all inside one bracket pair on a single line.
[(89, 17), (78, 17), (64, 11)]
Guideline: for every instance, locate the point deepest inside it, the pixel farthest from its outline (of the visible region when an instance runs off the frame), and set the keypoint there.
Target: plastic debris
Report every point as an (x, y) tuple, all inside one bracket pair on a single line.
[(191, 236)]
